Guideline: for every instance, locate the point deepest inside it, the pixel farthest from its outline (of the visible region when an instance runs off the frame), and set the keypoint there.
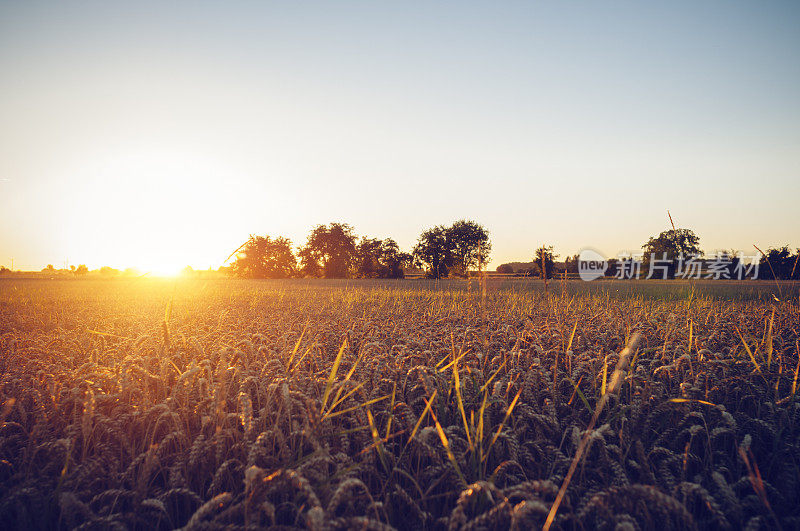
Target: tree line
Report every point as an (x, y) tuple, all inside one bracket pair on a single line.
[(77, 271), (672, 250), (335, 251)]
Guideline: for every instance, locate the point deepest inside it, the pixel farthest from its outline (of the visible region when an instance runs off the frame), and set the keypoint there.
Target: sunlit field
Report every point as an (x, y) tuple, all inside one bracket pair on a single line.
[(158, 404)]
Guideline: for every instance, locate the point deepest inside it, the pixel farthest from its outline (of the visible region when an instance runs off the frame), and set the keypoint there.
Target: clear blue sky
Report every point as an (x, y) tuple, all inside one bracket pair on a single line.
[(159, 134)]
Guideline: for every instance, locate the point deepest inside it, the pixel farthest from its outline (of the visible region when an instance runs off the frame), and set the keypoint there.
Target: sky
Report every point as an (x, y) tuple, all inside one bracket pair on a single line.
[(161, 134)]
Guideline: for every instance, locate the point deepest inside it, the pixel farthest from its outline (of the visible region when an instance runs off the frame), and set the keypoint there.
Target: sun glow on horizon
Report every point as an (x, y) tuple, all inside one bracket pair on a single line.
[(150, 209), (164, 270)]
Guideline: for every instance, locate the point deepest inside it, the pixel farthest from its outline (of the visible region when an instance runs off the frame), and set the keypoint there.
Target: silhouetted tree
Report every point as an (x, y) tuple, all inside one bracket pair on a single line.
[(368, 254), (4, 270), (669, 246), (469, 245), (782, 262), (613, 267), (455, 249), (506, 269), (546, 252), (433, 252), (571, 264), (730, 263), (265, 257), (380, 259), (49, 269), (406, 261), (330, 251), (81, 270)]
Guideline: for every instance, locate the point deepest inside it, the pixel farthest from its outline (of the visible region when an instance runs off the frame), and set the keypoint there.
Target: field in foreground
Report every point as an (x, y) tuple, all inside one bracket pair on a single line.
[(156, 405)]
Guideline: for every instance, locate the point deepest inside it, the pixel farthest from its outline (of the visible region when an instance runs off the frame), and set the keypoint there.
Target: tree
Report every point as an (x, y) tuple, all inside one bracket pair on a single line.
[(368, 256), (433, 252), (730, 262), (571, 264), (613, 267), (108, 271), (667, 248), (4, 270), (533, 271), (544, 254), (330, 251), (380, 259), (506, 269), (469, 246), (455, 249), (81, 270), (781, 261), (49, 269), (265, 257)]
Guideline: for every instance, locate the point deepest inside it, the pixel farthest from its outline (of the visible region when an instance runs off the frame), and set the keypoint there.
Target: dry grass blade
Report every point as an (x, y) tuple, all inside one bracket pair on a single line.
[(332, 375), (342, 399), (754, 474), (391, 410), (687, 400), (577, 390), (749, 352), (502, 424), (346, 379), (572, 335), (605, 376), (376, 440), (425, 411), (296, 346), (769, 341), (492, 377), (454, 362), (774, 276), (446, 445), (479, 431), (616, 380), (348, 410), (237, 250), (460, 400)]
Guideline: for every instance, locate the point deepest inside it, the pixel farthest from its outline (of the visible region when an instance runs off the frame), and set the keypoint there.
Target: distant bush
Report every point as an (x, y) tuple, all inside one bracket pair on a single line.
[(107, 271)]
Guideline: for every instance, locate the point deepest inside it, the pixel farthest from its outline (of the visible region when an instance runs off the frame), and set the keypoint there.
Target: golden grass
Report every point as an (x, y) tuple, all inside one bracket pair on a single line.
[(410, 405)]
